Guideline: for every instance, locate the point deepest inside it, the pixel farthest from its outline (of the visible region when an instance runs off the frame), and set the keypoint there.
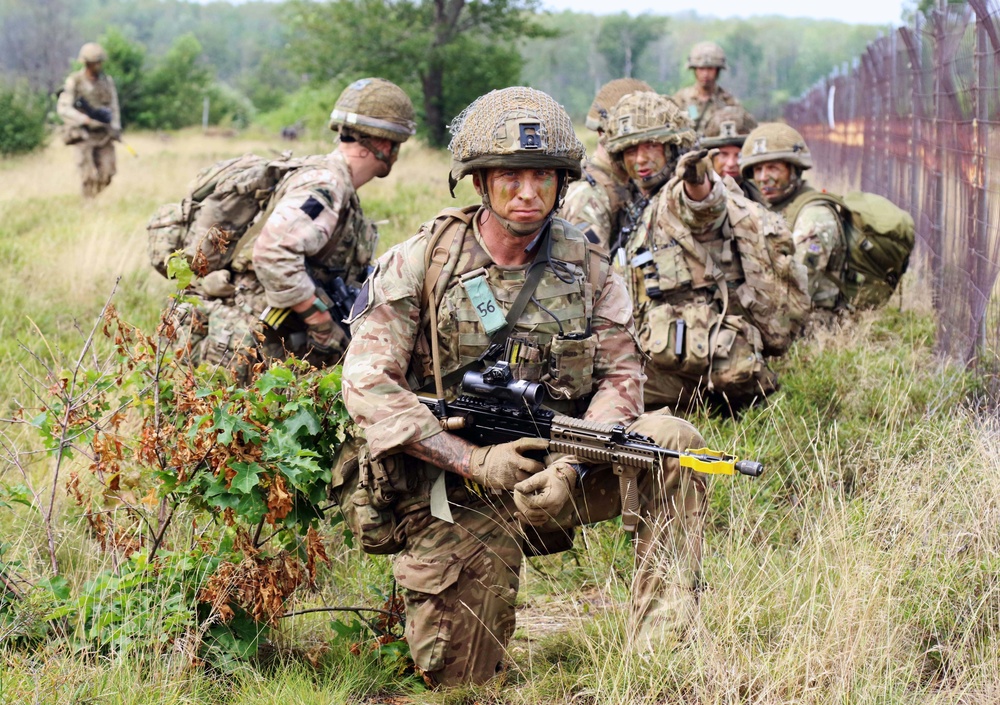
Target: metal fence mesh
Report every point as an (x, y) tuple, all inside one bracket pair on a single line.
[(917, 119)]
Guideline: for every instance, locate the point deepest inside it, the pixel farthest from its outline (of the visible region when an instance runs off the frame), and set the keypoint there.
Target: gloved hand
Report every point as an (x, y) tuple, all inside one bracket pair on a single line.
[(501, 466), (217, 284), (543, 496), (325, 336), (694, 166)]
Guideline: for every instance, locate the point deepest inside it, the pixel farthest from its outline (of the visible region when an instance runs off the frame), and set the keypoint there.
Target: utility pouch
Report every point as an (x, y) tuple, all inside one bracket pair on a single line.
[(571, 366), (658, 337), (698, 321), (366, 498), (74, 134), (737, 354), (672, 267)]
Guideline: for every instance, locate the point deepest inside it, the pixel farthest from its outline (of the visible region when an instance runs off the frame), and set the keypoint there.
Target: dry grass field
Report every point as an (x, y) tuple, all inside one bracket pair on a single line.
[(862, 568)]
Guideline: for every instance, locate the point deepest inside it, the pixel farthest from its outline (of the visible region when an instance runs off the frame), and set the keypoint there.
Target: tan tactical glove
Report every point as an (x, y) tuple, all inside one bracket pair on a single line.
[(217, 284), (694, 166), (543, 496), (326, 336), (501, 466)]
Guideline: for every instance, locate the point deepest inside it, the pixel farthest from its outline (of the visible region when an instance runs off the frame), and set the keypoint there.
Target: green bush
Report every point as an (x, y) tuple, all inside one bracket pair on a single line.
[(22, 120)]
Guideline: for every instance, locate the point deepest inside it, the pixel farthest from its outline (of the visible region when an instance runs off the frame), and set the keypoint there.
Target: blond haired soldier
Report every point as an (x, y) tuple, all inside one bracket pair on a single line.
[(598, 203), (725, 134), (701, 101), (428, 311), (775, 155), (712, 276), (88, 106), (314, 241)]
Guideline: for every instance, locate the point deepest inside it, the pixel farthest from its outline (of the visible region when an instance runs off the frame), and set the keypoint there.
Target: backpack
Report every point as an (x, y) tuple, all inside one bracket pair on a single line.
[(212, 223), (880, 238)]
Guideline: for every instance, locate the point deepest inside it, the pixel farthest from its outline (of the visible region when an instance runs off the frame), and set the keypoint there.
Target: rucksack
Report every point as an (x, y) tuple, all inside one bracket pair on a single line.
[(212, 223), (880, 237)]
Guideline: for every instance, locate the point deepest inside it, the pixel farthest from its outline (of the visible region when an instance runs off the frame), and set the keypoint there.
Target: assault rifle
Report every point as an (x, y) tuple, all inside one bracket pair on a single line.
[(100, 114), (496, 408)]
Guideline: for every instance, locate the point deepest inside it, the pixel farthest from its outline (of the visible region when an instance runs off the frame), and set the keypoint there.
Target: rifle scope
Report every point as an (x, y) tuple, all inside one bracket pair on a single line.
[(498, 382)]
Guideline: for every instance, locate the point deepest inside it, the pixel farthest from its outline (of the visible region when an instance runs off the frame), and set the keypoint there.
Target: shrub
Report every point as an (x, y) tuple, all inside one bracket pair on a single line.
[(22, 120)]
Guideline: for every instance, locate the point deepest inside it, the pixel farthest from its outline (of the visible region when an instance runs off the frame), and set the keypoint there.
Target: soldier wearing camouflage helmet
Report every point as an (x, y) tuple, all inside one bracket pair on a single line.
[(314, 242), (714, 285), (597, 202), (725, 134), (88, 106), (467, 514), (701, 101), (775, 155)]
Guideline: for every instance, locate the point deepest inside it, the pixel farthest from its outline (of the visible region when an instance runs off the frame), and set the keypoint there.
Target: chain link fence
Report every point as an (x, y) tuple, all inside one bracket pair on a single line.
[(917, 120)]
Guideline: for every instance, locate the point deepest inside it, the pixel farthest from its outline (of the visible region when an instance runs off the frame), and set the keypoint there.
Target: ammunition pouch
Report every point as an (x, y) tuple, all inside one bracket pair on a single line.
[(367, 491)]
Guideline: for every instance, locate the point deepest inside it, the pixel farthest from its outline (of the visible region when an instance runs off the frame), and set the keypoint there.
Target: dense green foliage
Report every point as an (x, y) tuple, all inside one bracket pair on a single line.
[(22, 119)]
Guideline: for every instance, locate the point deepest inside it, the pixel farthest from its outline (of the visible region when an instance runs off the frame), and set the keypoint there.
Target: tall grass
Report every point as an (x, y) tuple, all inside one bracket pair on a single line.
[(862, 568)]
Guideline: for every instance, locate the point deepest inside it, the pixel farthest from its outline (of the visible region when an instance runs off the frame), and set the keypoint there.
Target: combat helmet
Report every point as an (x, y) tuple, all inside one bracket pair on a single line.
[(647, 117), (774, 142), (706, 54), (728, 127), (610, 93), (374, 107), (516, 128), (92, 53)]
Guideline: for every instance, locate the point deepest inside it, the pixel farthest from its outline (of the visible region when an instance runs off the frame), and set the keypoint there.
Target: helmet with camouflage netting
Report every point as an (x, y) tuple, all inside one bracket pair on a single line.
[(606, 98), (647, 117), (774, 142), (728, 127), (92, 53), (515, 127), (706, 55), (375, 107)]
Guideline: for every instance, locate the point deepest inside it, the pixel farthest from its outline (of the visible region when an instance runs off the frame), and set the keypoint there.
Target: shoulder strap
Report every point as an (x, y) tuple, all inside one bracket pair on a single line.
[(802, 200)]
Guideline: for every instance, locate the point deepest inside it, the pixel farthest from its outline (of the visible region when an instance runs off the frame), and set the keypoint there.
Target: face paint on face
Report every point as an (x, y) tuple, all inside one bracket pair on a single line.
[(727, 162), (774, 179), (645, 161), (523, 195), (706, 76)]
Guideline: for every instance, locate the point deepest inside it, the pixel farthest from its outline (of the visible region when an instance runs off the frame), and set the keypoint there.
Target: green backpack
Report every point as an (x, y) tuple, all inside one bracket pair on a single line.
[(212, 224), (880, 238)]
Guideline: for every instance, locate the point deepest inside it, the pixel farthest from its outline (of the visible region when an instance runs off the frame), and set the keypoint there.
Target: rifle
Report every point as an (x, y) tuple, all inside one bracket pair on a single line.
[(336, 294), (102, 115), (496, 408)]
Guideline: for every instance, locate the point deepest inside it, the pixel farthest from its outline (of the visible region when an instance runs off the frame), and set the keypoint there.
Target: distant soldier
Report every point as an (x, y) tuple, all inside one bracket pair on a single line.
[(706, 96), (88, 106), (315, 240), (597, 203), (714, 285), (775, 155), (725, 133)]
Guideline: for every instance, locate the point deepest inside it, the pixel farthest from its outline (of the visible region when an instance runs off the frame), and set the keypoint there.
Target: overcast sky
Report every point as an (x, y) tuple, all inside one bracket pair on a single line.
[(854, 11)]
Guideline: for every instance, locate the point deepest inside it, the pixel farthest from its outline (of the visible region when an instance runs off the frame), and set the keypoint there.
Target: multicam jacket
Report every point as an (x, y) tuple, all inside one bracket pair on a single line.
[(696, 246), (596, 203), (575, 337), (820, 245), (100, 94), (317, 220), (700, 112)]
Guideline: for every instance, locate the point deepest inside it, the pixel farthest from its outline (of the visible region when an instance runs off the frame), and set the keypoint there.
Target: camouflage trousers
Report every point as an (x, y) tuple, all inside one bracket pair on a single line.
[(681, 393), (95, 161), (460, 580)]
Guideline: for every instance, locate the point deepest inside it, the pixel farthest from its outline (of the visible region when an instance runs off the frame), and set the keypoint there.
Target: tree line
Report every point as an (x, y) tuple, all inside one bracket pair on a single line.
[(285, 63)]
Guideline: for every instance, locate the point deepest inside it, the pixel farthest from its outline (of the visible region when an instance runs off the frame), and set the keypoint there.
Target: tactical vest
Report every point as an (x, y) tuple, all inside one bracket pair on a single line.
[(99, 93), (552, 343)]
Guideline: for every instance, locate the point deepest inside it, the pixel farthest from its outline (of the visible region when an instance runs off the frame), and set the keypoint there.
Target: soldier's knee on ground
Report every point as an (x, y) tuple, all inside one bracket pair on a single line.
[(668, 431)]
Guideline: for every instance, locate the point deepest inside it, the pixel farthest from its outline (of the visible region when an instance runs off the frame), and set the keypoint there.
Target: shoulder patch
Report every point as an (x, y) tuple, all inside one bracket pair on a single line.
[(312, 207)]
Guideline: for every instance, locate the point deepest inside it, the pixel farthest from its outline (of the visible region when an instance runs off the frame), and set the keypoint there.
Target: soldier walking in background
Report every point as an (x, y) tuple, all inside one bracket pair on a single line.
[(314, 241), (88, 106), (598, 203), (505, 280), (701, 101), (712, 276)]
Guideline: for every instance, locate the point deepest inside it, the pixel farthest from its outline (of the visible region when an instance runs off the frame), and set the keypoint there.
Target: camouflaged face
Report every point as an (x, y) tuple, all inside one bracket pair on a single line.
[(390, 338), (698, 112), (820, 248), (316, 205)]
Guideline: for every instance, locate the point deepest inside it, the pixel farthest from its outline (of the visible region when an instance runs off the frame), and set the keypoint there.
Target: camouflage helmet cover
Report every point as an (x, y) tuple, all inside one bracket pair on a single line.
[(610, 93), (647, 117), (774, 142), (377, 108), (728, 127), (92, 53), (515, 127), (706, 54)]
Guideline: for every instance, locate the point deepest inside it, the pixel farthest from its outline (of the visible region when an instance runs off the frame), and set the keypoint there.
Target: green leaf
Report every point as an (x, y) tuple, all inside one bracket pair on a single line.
[(228, 425), (275, 378), (304, 418), (57, 586), (179, 270), (246, 477)]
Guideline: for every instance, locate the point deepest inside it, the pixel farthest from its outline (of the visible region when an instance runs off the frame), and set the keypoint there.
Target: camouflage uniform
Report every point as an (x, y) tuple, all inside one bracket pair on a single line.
[(460, 579), (94, 140), (680, 253), (817, 229), (699, 111)]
